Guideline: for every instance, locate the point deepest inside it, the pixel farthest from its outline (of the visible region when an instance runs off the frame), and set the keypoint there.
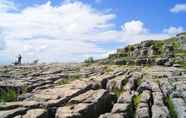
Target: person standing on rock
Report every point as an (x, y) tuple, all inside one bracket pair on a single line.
[(19, 59)]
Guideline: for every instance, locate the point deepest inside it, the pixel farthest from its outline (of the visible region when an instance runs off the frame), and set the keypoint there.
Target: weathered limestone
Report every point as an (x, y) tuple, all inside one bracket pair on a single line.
[(59, 95), (88, 105), (148, 85), (36, 113), (126, 97), (118, 92), (160, 112), (143, 110), (120, 108), (111, 115), (82, 110), (14, 105), (116, 83), (180, 107), (158, 98), (12, 113)]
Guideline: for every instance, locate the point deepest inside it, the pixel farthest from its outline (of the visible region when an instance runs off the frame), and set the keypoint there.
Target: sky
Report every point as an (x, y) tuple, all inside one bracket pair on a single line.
[(72, 30)]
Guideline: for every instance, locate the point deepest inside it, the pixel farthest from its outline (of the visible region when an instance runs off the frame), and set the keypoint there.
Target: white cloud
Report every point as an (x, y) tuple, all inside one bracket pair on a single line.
[(178, 8), (68, 32), (56, 32), (134, 27), (173, 30), (135, 31)]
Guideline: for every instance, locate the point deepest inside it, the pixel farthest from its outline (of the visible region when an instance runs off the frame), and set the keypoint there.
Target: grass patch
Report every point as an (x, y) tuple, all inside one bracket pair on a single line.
[(68, 78), (117, 91), (137, 99), (8, 96), (64, 81), (139, 82), (171, 108), (182, 63)]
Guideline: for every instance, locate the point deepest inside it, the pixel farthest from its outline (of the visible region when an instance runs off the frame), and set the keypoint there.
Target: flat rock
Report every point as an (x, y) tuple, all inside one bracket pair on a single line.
[(36, 113), (111, 115), (125, 97), (120, 108), (160, 112), (180, 107), (12, 113), (143, 113)]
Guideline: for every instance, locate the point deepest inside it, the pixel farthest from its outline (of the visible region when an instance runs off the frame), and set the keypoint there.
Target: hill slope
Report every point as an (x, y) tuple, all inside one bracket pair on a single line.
[(163, 52)]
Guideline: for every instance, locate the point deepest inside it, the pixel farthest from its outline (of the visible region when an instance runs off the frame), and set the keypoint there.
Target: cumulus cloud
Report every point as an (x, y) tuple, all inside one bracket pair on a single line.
[(134, 27), (49, 32), (173, 30), (135, 31), (178, 8), (64, 33)]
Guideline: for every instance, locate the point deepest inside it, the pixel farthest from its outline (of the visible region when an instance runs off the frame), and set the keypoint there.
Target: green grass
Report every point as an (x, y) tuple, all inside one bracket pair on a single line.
[(139, 82), (64, 81), (182, 64), (136, 102), (180, 52), (8, 96), (137, 99), (68, 78), (117, 92), (171, 108)]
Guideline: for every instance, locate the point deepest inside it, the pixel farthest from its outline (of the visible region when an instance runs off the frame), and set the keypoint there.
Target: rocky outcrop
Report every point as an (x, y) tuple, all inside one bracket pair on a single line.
[(163, 52)]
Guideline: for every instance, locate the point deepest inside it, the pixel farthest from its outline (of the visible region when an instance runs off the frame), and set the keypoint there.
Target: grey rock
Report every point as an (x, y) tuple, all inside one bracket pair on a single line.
[(36, 113), (160, 112), (126, 97), (145, 96), (143, 113), (12, 113), (158, 98), (120, 108), (111, 115), (180, 107)]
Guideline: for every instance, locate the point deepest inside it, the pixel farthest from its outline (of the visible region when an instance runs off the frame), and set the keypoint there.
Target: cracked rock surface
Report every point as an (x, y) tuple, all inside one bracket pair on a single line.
[(94, 91)]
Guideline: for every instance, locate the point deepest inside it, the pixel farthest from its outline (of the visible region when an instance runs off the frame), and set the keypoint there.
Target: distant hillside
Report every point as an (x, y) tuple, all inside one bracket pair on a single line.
[(167, 52)]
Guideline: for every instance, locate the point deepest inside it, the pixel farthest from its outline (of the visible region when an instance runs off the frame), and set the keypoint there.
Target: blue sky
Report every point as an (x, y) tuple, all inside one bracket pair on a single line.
[(156, 15), (72, 30)]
